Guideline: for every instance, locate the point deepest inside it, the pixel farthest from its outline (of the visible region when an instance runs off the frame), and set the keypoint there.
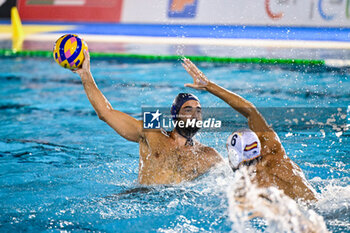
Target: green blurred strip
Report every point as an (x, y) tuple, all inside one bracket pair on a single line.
[(10, 53), (40, 2)]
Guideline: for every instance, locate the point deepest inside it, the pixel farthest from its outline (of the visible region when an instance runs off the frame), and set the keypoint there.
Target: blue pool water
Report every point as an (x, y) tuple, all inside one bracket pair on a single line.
[(62, 169)]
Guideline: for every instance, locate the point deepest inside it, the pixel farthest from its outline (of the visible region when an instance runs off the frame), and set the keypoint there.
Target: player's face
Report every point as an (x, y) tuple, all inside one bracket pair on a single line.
[(190, 110)]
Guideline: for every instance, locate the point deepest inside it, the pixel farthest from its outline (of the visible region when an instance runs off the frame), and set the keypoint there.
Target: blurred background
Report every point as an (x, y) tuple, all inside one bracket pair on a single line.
[(192, 27)]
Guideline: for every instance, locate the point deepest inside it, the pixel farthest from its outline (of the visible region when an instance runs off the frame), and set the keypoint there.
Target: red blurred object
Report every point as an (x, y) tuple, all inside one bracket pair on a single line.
[(70, 10)]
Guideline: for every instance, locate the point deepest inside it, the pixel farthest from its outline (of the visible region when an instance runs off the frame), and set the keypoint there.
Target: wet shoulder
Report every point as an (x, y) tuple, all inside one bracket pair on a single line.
[(271, 144), (210, 153), (156, 134)]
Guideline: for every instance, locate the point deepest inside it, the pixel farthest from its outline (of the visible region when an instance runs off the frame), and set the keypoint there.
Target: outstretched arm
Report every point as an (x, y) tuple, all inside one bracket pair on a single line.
[(125, 125), (256, 121)]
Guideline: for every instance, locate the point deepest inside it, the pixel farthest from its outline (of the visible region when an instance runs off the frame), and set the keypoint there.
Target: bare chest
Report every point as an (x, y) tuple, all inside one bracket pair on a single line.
[(163, 162)]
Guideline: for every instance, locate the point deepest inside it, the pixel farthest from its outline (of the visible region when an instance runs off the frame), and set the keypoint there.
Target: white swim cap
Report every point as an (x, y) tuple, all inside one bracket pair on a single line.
[(242, 146)]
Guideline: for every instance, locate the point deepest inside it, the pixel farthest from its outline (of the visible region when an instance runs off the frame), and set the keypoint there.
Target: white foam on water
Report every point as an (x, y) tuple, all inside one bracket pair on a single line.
[(281, 213), (184, 225), (334, 200), (334, 205)]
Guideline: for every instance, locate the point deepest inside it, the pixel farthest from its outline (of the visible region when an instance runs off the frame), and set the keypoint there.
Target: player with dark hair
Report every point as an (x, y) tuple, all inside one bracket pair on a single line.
[(165, 157)]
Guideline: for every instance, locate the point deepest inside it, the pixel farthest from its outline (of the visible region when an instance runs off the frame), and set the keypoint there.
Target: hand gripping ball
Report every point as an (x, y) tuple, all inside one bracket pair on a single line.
[(68, 51)]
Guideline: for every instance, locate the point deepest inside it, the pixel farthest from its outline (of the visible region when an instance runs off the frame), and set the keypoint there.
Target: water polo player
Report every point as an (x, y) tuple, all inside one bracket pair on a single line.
[(165, 158), (271, 163)]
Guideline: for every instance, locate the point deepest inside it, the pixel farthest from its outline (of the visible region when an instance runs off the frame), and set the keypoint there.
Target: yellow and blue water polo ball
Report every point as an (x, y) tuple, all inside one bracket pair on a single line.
[(68, 51)]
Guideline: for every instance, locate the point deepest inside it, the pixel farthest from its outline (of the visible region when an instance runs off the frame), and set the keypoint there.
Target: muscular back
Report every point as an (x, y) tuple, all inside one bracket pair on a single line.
[(162, 161), (275, 168)]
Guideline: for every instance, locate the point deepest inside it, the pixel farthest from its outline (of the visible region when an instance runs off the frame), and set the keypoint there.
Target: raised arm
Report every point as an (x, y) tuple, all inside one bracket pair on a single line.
[(125, 125), (256, 121)]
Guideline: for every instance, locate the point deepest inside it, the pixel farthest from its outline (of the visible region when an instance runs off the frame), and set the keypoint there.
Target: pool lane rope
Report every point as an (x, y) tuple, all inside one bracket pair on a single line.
[(243, 60)]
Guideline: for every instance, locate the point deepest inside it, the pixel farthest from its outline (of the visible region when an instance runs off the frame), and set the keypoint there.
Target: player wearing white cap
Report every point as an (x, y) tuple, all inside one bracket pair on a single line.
[(259, 146)]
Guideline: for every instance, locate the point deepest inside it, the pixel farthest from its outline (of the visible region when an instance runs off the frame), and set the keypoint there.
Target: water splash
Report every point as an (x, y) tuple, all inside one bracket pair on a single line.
[(334, 205), (281, 213)]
